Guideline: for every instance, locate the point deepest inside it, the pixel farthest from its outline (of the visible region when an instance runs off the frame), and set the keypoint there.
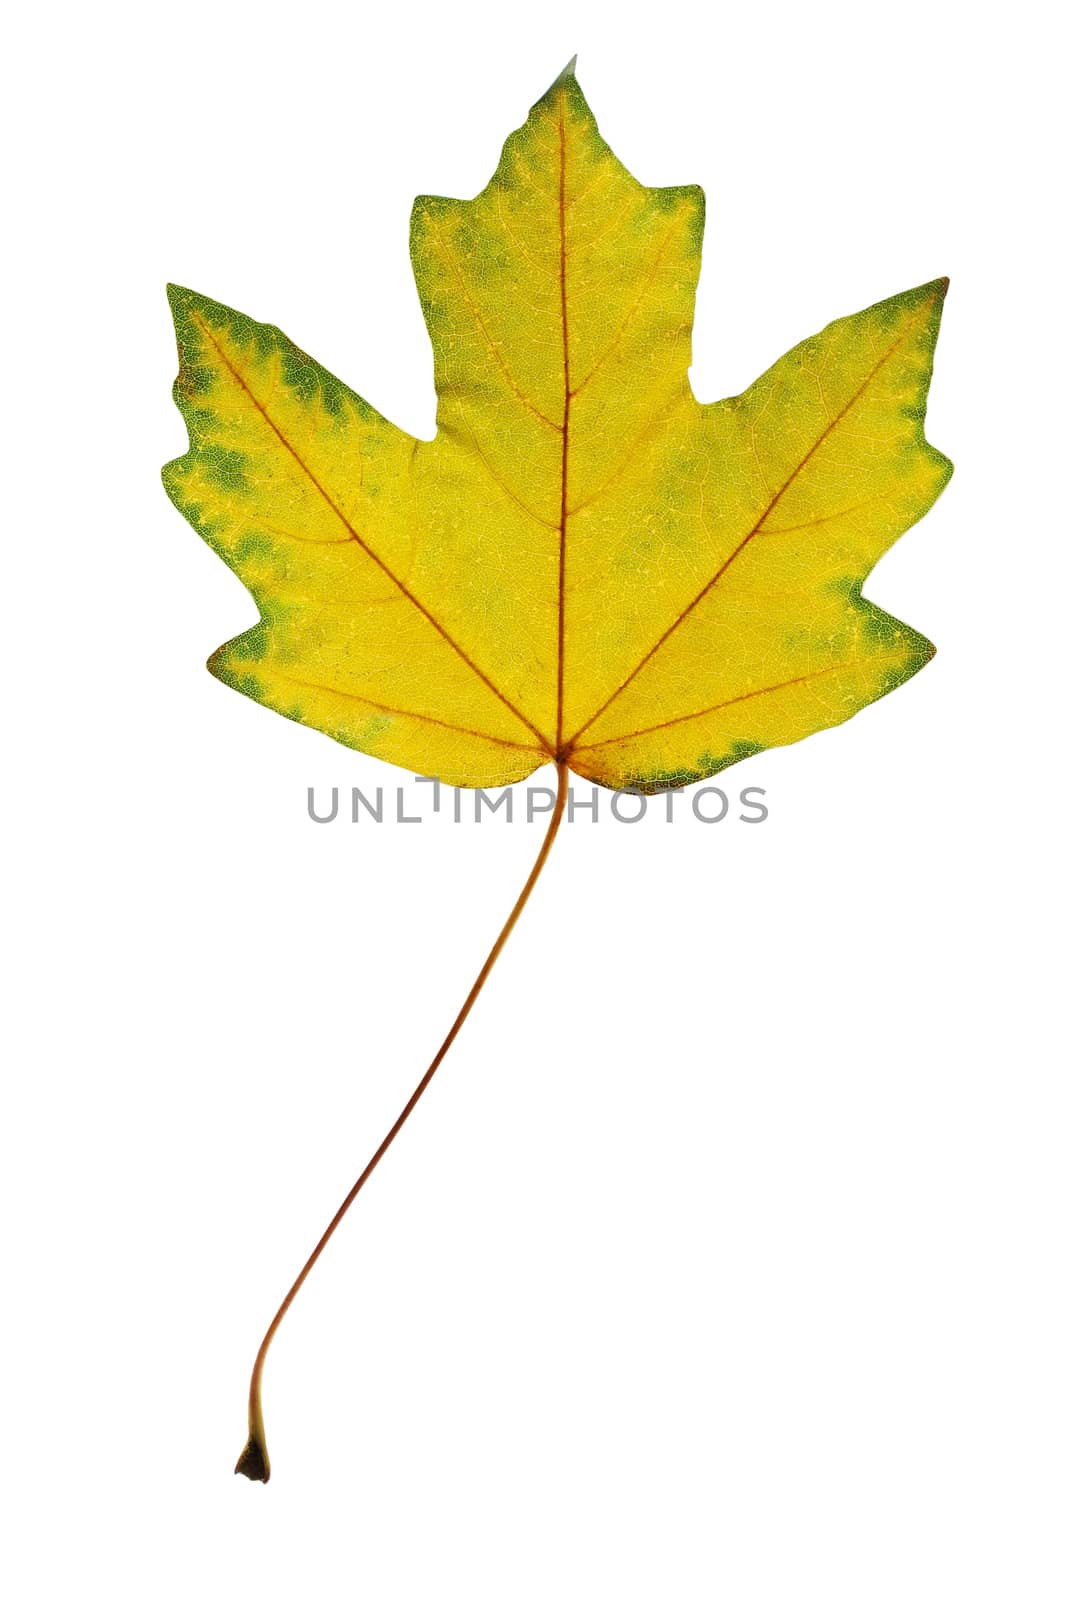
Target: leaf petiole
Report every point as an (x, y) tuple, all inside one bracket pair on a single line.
[(254, 1462)]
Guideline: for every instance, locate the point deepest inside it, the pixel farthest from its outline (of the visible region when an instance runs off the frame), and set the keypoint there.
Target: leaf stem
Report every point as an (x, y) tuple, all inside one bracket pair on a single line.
[(254, 1462)]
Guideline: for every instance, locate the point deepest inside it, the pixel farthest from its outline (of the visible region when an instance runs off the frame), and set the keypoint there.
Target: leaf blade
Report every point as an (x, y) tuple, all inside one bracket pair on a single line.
[(584, 562)]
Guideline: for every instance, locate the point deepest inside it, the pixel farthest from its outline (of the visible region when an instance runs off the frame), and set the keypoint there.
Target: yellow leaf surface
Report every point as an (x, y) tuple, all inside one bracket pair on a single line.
[(584, 565)]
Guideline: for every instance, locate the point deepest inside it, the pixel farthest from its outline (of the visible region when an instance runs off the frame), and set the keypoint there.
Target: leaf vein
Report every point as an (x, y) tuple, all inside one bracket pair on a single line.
[(400, 711), (692, 716)]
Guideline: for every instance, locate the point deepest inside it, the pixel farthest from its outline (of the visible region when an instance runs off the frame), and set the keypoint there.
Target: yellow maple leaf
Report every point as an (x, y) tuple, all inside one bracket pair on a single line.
[(584, 566)]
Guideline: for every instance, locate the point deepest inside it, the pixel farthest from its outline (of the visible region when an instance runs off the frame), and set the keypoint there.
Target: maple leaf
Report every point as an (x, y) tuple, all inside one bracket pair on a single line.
[(585, 565)]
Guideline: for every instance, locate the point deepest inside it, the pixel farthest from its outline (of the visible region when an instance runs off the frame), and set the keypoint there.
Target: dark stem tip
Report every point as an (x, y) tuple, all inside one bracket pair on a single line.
[(254, 1462)]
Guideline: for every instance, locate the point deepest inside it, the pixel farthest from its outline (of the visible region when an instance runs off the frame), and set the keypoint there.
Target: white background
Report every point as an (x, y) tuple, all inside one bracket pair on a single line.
[(725, 1257)]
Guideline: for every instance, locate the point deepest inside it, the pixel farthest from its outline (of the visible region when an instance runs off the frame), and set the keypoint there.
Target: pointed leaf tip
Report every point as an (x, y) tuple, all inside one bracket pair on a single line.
[(568, 72), (253, 1462)]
